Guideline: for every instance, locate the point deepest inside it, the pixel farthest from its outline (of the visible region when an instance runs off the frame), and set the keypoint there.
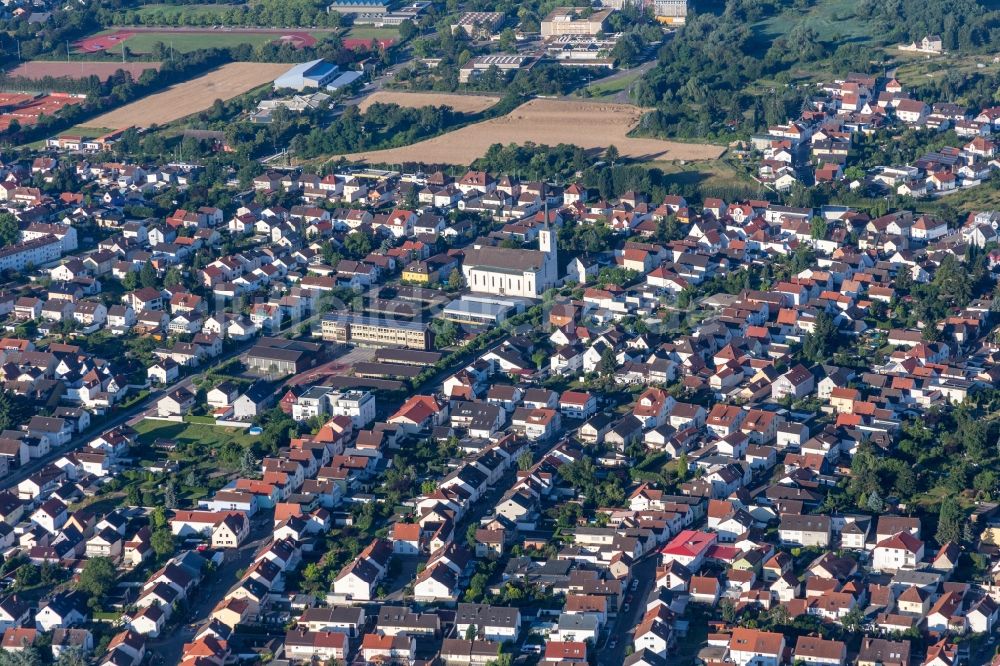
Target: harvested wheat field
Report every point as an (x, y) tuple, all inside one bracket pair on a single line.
[(590, 125), (77, 69), (192, 96), (460, 103)]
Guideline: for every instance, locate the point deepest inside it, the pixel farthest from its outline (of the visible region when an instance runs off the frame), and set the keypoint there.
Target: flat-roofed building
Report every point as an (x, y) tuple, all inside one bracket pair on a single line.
[(365, 330), (477, 24), (482, 310), (670, 12), (278, 356), (574, 21), (505, 63)]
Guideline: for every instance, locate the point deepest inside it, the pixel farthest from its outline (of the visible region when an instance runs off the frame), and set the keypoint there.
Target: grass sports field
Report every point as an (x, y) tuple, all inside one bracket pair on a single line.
[(192, 96), (369, 33)]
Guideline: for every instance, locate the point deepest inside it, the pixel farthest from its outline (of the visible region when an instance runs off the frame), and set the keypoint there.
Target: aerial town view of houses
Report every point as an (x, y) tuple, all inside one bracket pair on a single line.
[(468, 333)]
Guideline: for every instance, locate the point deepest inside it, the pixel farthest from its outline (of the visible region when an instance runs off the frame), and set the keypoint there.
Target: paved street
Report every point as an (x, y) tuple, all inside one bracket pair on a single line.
[(621, 630), (213, 589)]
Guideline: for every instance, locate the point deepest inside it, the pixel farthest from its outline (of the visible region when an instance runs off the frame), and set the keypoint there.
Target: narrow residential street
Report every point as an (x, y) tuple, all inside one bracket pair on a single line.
[(136, 412), (612, 653), (215, 586)]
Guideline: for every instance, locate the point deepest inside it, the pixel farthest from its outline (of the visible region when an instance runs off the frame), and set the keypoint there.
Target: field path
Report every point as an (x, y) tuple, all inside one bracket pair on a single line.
[(198, 94), (590, 125)]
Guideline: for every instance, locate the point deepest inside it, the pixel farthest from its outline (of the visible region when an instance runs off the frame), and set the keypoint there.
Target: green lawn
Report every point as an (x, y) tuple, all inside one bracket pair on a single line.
[(917, 68), (209, 436), (710, 174), (84, 130), (204, 468), (613, 87)]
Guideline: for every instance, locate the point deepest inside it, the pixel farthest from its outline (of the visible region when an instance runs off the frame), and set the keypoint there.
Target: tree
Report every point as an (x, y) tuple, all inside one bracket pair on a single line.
[(359, 244), (147, 275), (27, 575), (133, 497), (445, 332), (13, 410), (950, 519), (820, 343), (162, 542), (169, 496), (130, 281), (312, 574), (27, 656), (470, 632), (817, 228), (525, 461), (72, 657), (9, 231), (174, 277), (407, 30), (606, 366), (455, 280), (158, 518), (611, 155), (539, 358), (853, 619), (727, 610), (875, 503), (249, 466), (97, 577)]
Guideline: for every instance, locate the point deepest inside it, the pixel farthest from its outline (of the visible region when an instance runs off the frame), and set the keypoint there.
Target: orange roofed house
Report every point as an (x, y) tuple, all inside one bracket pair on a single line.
[(418, 413), (752, 646)]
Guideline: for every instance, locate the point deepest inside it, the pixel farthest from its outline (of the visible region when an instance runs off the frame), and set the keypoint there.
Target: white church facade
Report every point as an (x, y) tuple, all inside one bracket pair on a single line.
[(512, 272)]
